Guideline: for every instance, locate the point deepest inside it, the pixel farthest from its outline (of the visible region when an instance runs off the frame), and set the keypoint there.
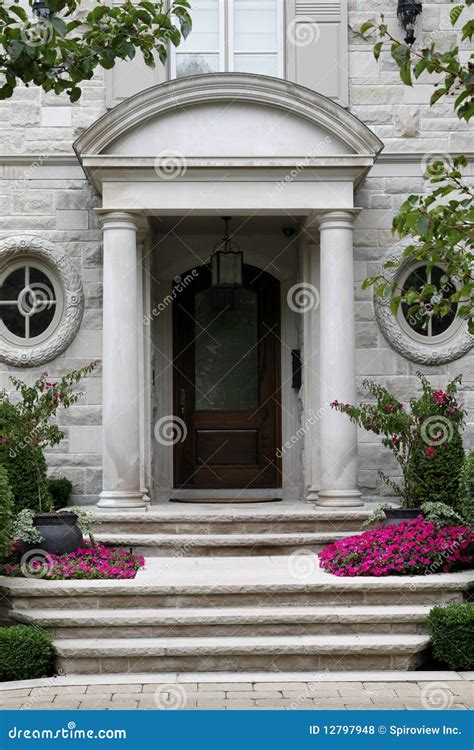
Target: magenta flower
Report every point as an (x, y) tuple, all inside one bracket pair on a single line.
[(86, 563), (410, 548)]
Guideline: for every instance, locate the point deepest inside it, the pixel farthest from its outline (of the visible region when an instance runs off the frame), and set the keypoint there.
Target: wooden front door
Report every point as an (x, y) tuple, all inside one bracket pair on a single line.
[(227, 383)]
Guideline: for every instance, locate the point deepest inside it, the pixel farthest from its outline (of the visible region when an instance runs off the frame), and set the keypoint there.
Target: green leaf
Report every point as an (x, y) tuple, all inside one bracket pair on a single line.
[(423, 225), (58, 24), (366, 26), (405, 74), (395, 304), (75, 94), (369, 281), (455, 13), (377, 49), (420, 67)]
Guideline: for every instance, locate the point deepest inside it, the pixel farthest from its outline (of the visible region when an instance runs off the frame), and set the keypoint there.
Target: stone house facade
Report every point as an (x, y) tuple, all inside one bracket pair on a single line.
[(290, 139)]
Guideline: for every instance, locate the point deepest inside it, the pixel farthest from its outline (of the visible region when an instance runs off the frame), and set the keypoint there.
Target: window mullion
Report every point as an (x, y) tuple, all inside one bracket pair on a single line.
[(229, 37)]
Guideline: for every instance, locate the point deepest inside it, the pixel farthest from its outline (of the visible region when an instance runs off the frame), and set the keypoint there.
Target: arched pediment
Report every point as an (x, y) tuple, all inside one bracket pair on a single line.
[(229, 115)]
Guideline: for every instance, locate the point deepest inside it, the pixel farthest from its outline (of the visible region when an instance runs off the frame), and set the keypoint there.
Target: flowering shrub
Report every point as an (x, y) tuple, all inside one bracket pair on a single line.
[(26, 426), (88, 562), (409, 548), (424, 437)]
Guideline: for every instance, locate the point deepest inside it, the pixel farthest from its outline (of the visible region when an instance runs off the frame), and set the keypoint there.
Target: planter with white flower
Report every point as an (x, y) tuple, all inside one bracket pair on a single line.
[(30, 426)]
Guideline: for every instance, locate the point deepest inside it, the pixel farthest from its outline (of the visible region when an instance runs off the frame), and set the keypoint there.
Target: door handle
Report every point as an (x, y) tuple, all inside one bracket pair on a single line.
[(182, 400)]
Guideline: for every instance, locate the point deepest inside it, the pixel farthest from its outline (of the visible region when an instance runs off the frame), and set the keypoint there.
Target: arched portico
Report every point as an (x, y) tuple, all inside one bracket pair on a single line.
[(247, 146)]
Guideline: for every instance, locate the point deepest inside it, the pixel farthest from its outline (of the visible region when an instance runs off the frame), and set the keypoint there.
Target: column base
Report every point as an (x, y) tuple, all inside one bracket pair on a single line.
[(122, 500), (339, 499)]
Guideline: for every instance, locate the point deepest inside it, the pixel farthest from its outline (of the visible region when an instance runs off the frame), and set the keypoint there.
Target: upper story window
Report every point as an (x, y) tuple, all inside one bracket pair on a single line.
[(297, 40), (233, 35)]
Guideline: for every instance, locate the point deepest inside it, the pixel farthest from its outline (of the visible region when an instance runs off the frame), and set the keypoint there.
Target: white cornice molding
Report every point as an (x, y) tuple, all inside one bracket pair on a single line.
[(71, 160), (227, 87)]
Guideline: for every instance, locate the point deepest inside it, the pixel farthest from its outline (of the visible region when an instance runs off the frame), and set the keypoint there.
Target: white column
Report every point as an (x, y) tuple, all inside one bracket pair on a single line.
[(121, 386), (338, 435)]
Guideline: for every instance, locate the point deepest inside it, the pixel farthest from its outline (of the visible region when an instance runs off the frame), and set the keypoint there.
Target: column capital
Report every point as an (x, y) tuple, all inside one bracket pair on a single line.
[(114, 219), (338, 218)]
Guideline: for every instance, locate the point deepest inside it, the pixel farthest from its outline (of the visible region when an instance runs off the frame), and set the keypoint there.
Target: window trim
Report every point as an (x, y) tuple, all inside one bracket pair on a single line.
[(32, 262), (173, 51), (424, 350), (21, 249), (446, 335), (280, 42)]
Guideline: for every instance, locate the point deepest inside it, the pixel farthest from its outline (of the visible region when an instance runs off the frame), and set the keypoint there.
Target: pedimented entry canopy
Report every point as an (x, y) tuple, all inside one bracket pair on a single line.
[(224, 128)]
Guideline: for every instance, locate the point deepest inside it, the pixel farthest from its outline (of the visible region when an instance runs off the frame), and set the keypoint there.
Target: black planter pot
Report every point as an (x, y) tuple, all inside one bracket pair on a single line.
[(398, 515), (60, 532)]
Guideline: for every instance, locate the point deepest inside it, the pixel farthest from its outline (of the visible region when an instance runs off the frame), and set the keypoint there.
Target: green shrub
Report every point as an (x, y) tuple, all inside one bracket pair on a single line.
[(26, 653), (21, 466), (6, 509), (452, 633), (60, 490), (436, 475), (467, 488)]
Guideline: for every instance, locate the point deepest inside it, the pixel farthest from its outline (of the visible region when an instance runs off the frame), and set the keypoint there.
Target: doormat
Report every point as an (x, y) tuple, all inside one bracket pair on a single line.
[(225, 500)]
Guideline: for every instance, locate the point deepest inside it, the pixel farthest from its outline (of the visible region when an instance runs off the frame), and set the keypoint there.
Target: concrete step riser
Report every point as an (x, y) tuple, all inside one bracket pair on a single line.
[(203, 631), (226, 551), (286, 527), (240, 663), (149, 600)]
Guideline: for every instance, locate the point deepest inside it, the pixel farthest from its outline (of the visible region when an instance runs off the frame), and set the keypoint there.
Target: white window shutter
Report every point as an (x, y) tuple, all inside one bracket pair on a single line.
[(317, 41), (129, 77)]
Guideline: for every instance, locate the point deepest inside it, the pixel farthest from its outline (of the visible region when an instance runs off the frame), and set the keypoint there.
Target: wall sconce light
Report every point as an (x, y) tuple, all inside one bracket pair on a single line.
[(407, 12), (40, 9)]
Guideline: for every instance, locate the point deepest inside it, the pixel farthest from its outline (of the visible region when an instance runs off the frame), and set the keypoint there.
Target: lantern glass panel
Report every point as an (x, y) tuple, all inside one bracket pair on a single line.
[(227, 269)]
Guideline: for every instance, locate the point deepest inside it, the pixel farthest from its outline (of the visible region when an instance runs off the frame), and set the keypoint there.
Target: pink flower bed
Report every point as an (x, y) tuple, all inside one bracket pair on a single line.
[(88, 562), (409, 548)]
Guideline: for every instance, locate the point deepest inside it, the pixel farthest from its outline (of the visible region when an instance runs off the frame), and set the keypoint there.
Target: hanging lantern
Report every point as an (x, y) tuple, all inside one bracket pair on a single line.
[(407, 12), (226, 272), (227, 262)]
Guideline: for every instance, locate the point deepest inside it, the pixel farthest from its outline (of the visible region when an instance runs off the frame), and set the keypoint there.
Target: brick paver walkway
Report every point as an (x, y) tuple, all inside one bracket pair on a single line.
[(250, 695)]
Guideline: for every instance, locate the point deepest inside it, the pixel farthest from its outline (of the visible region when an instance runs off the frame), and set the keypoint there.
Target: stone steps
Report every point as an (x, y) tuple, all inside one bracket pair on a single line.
[(226, 530), (245, 613), (207, 545), (226, 621), (204, 583), (222, 520), (240, 653)]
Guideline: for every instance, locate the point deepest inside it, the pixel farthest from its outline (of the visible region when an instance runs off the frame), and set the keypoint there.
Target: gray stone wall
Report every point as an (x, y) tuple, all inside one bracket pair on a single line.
[(375, 358), (53, 201), (399, 115)]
